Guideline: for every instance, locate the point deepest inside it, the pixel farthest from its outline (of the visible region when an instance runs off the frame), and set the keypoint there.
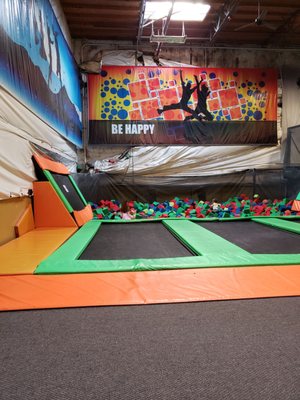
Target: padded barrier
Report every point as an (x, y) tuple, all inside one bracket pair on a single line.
[(54, 166), (83, 216), (49, 210), (57, 291), (296, 205)]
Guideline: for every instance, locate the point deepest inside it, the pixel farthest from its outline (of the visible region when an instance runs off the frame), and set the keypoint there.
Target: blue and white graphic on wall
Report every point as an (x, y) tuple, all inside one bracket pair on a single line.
[(37, 66)]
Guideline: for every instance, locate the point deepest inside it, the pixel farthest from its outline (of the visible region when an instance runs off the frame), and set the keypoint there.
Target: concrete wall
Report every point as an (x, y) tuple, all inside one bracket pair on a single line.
[(199, 56)]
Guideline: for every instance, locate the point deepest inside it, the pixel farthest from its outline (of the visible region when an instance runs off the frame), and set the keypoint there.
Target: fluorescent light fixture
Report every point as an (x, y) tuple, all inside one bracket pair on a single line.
[(167, 39), (182, 11)]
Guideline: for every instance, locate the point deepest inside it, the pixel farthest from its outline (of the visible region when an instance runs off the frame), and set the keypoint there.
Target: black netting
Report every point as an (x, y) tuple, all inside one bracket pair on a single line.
[(270, 184)]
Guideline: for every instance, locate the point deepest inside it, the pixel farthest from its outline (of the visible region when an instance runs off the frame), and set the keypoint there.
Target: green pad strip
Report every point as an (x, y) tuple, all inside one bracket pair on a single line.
[(73, 248), (78, 190), (298, 196), (211, 261), (200, 240), (58, 191), (279, 224), (216, 253)]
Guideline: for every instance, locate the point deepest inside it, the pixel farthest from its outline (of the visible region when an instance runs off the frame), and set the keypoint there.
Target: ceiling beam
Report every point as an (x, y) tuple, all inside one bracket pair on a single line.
[(100, 12), (101, 4)]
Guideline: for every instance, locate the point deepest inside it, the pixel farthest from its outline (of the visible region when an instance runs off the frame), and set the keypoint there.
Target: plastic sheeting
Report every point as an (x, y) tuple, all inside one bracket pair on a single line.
[(190, 161), (20, 131), (124, 57)]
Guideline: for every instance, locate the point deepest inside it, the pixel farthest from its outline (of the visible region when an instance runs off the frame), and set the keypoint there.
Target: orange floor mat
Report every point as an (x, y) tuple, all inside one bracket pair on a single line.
[(125, 288), (22, 255)]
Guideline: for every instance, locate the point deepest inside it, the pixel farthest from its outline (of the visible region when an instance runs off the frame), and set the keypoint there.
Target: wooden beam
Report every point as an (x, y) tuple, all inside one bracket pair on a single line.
[(100, 12)]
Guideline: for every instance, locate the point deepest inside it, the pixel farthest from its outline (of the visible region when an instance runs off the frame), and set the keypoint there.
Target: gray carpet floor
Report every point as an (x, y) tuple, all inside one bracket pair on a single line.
[(223, 350)]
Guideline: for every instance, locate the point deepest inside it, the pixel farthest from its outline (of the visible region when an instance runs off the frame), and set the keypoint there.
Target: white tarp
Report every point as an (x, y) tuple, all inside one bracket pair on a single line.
[(16, 167), (191, 161), (19, 129), (124, 57)]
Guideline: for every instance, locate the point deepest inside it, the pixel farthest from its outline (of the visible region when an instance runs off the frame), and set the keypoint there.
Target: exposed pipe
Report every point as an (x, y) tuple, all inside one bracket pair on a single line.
[(142, 14), (224, 16), (164, 31), (228, 48)]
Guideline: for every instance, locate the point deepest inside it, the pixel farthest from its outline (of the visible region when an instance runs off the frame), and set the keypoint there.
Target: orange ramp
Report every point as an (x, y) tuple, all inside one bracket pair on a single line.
[(125, 288), (49, 210), (22, 255)]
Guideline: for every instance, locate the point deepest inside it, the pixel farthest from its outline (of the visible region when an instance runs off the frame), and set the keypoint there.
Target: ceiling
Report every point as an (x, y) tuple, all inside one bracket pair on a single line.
[(225, 24)]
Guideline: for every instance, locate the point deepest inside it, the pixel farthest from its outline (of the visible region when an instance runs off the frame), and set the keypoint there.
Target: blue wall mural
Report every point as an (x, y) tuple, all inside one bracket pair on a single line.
[(37, 67)]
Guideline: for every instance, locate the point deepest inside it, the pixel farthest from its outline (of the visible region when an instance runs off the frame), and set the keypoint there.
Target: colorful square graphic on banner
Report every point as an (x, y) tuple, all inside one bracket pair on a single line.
[(184, 99)]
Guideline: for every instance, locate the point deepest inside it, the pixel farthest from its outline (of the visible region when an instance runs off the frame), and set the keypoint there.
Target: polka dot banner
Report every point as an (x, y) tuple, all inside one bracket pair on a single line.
[(118, 93), (167, 105)]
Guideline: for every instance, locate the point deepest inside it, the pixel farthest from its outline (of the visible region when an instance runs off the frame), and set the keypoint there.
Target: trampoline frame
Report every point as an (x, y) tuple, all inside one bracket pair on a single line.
[(210, 250)]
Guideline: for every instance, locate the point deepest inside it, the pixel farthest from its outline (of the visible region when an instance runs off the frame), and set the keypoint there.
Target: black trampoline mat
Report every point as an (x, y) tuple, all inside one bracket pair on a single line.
[(69, 191), (132, 241), (256, 238)]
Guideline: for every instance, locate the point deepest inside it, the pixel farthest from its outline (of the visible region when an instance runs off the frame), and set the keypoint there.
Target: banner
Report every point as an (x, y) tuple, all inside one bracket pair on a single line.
[(167, 105), (37, 67)]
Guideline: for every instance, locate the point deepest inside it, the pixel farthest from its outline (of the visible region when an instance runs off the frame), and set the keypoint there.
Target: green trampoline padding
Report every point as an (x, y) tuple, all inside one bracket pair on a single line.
[(200, 240), (211, 251), (286, 225), (78, 190)]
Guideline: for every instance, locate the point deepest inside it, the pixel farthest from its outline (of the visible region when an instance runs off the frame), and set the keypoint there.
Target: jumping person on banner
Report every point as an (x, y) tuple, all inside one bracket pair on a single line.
[(187, 92)]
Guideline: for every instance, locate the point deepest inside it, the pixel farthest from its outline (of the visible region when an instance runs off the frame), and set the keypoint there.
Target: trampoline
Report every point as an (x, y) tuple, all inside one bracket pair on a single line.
[(257, 238), (132, 241), (175, 244), (66, 184)]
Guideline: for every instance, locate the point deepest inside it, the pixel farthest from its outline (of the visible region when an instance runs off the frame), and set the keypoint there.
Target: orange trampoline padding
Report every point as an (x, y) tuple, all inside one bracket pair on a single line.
[(25, 223), (50, 165), (22, 255), (296, 205), (83, 216), (49, 210), (125, 288)]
